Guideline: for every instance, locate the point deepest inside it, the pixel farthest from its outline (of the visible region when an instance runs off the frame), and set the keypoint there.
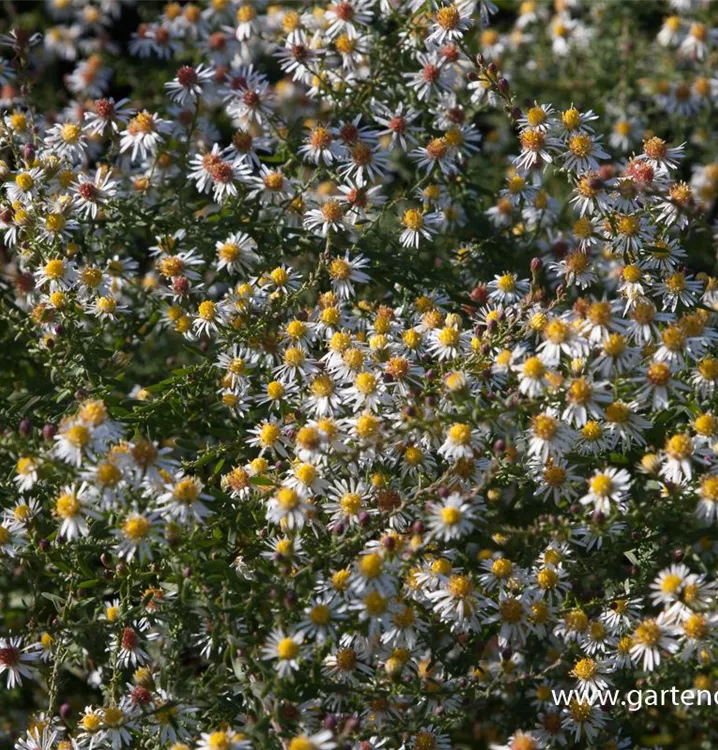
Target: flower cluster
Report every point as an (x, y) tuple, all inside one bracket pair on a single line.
[(360, 371)]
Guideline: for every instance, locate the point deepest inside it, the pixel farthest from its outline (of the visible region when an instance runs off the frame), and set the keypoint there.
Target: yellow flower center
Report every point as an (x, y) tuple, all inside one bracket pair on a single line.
[(91, 722), (346, 659), (375, 604), (340, 580), (207, 310), (532, 140), (502, 567), (269, 434), (246, 13), (671, 583), (450, 516), (628, 225), (696, 627), (602, 485), (460, 587), (511, 611), (67, 506), (55, 269), (219, 741), (301, 743), (287, 649), (580, 145), (534, 368), (136, 527), (449, 336), (142, 123), (658, 374), (413, 219), (24, 181), (70, 133), (600, 313), (557, 331), (460, 434), (78, 436), (306, 473), (320, 614), (591, 431), (545, 427), (547, 578), (709, 488), (585, 669), (577, 621), (648, 633), (339, 269), (350, 503), (287, 498), (448, 17), (113, 716), (294, 356), (371, 565), (365, 383), (673, 338), (679, 446), (274, 181), (618, 413), (536, 116), (186, 491), (571, 118)]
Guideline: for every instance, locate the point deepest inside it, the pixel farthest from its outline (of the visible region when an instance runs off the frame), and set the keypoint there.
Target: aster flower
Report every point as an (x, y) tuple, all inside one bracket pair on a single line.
[(16, 660), (188, 84)]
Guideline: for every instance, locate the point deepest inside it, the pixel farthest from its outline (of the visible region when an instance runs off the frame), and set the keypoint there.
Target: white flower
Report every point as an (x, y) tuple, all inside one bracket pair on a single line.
[(418, 225), (57, 273), (285, 650), (93, 193), (650, 637), (452, 518), (451, 21), (183, 499), (108, 115), (143, 135), (548, 436), (461, 442), (15, 660), (188, 84), (67, 140), (236, 253), (287, 507), (72, 506), (606, 487)]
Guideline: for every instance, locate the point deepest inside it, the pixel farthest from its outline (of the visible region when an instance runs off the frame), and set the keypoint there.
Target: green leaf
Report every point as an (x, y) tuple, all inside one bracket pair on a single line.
[(631, 557), (89, 584)]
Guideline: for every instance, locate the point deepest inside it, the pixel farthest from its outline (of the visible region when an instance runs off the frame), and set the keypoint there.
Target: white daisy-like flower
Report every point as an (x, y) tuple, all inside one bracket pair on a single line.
[(73, 506), (189, 83), (67, 140), (460, 442), (91, 194), (650, 637), (607, 487), (143, 135), (16, 660), (236, 253), (288, 508), (507, 288), (183, 498), (106, 116), (285, 650), (453, 517), (548, 436), (57, 274)]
